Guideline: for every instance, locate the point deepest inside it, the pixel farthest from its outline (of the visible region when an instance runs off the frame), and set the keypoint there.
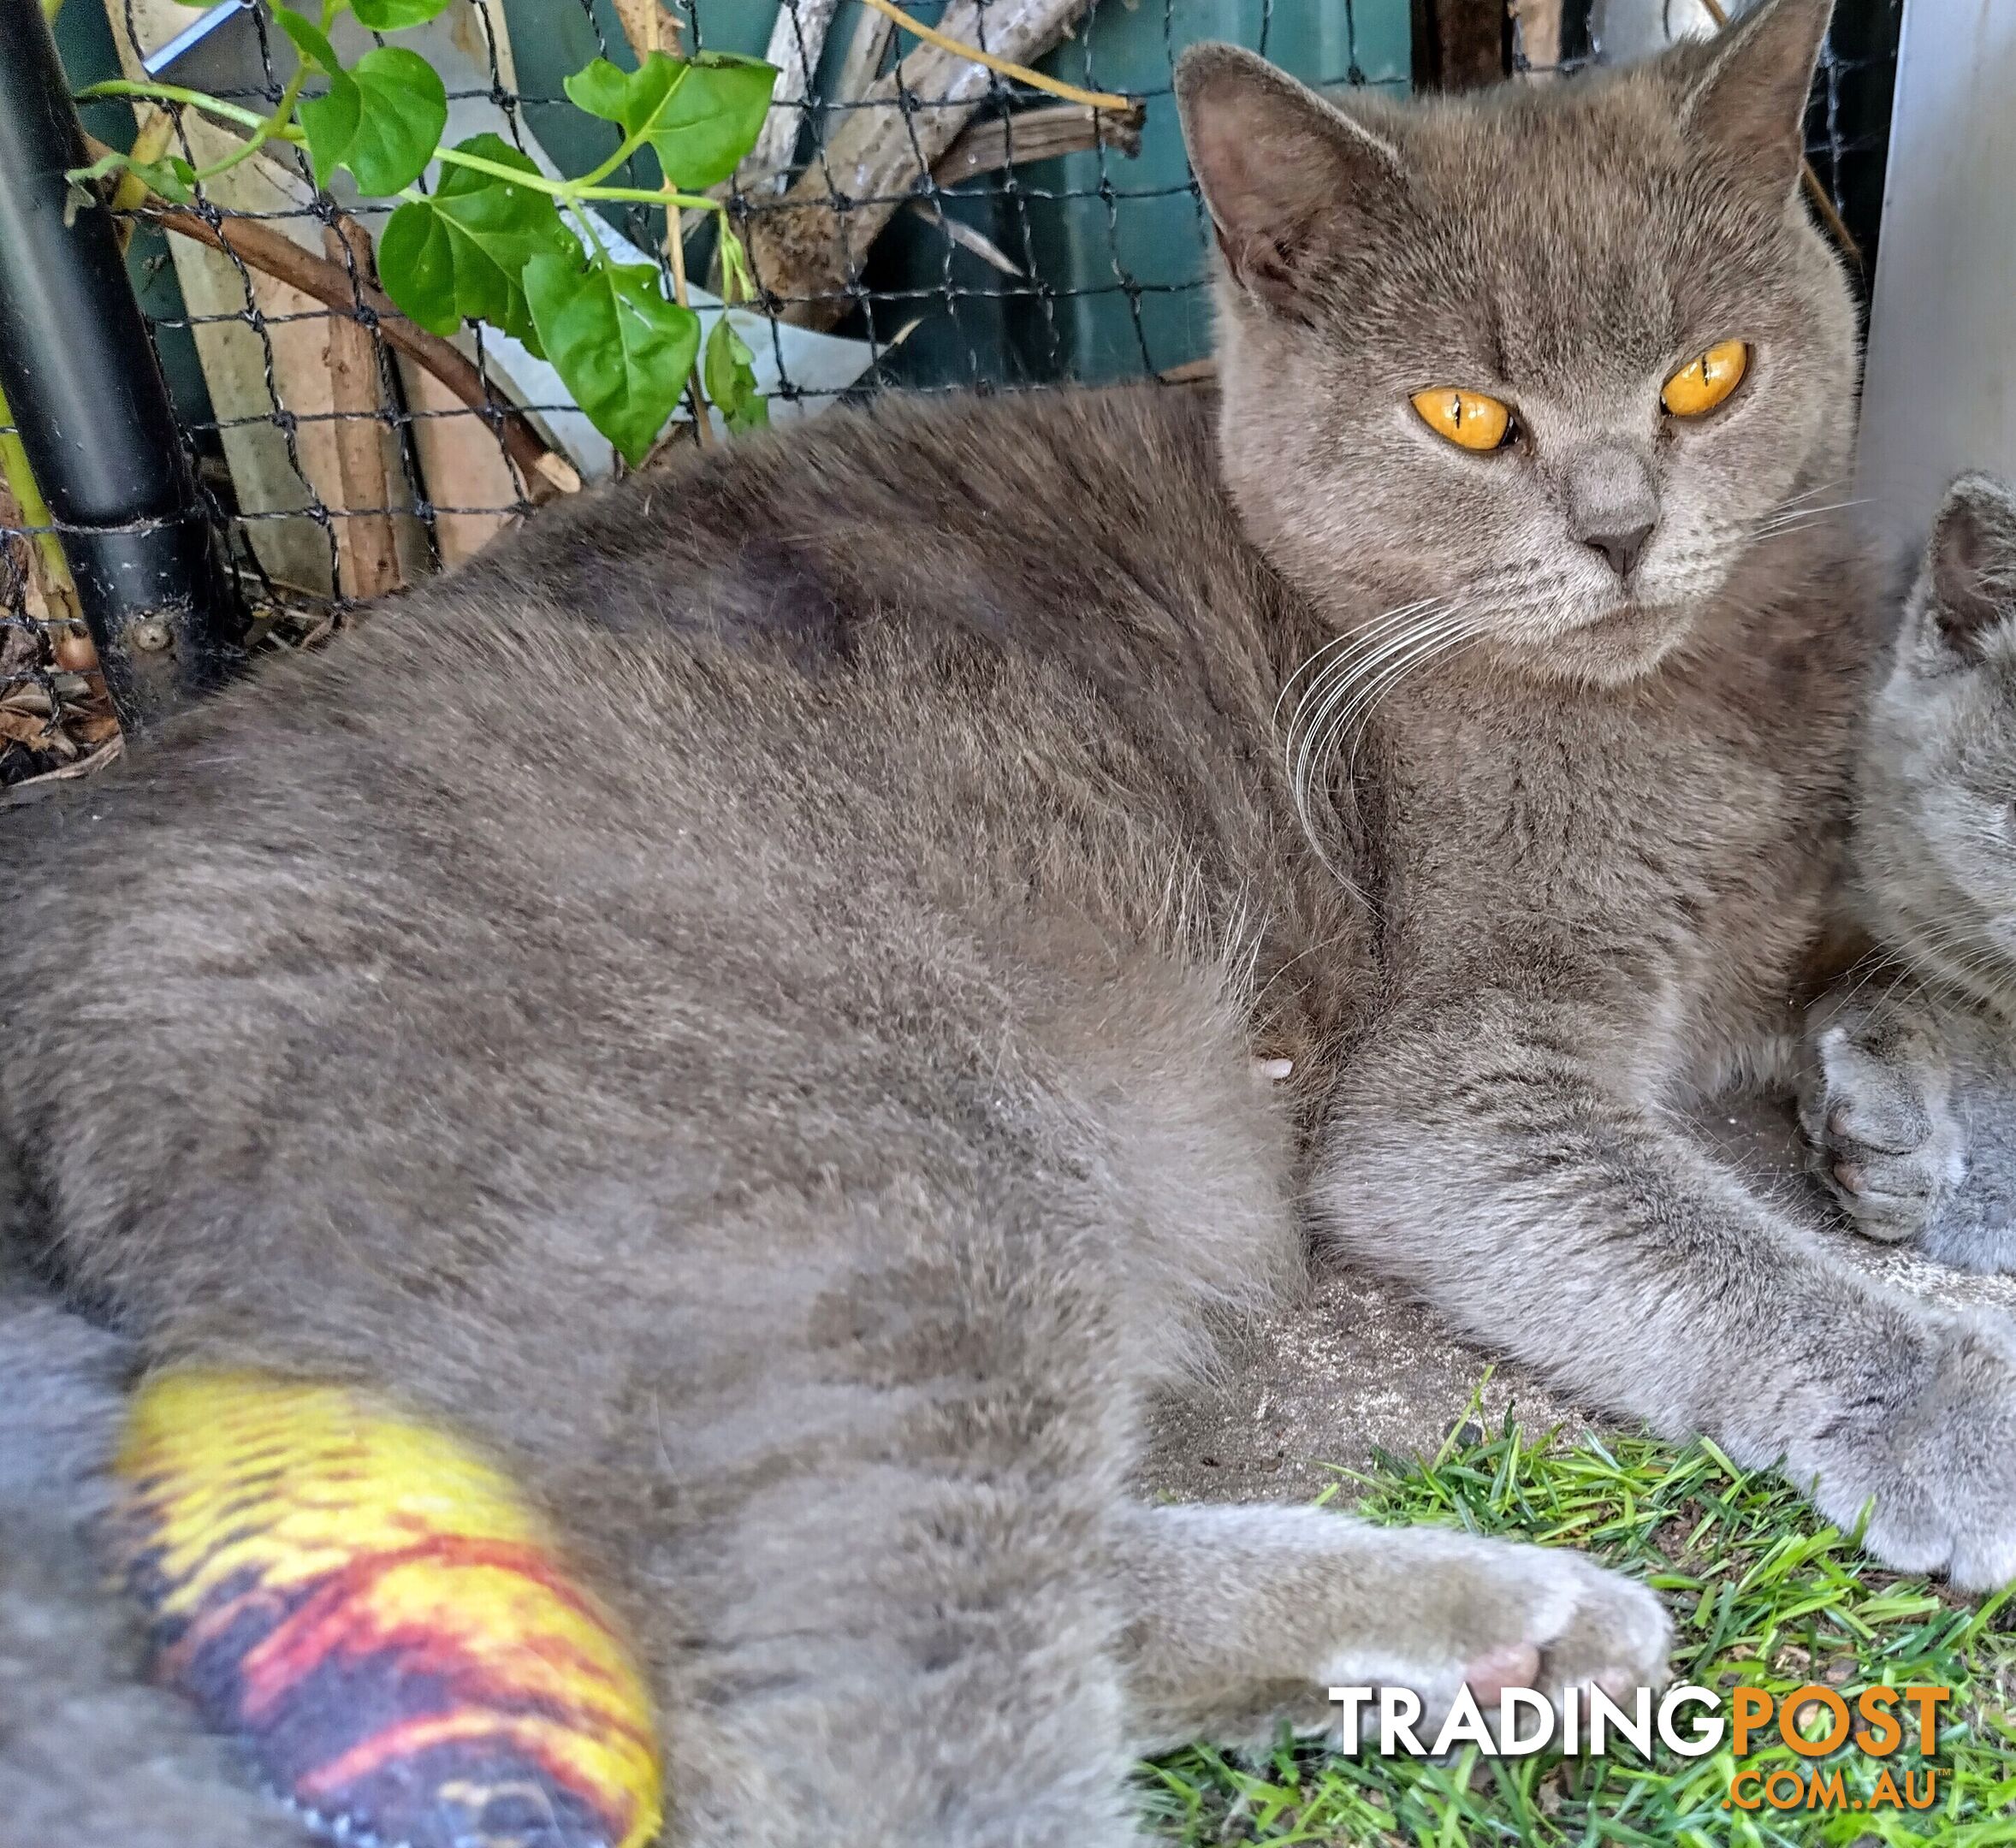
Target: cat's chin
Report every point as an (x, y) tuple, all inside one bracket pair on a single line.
[(1626, 645)]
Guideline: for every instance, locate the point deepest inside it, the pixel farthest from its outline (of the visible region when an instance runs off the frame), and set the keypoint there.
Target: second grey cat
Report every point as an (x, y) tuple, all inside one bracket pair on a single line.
[(1909, 1099)]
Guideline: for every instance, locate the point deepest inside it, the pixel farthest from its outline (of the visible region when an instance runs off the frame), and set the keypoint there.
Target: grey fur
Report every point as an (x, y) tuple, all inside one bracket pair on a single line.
[(89, 1758), (1909, 1096), (744, 998)]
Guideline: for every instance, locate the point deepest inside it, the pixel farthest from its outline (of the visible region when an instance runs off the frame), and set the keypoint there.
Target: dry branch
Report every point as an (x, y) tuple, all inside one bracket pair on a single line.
[(545, 474), (796, 40), (1037, 134), (367, 551), (866, 51), (808, 247), (648, 27)]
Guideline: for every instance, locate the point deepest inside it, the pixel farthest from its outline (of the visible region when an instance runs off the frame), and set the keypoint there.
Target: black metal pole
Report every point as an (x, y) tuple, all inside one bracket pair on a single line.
[(92, 407)]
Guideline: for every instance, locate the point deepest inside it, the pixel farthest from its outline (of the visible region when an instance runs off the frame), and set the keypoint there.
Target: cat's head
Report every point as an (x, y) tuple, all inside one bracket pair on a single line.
[(1563, 257), (1936, 841)]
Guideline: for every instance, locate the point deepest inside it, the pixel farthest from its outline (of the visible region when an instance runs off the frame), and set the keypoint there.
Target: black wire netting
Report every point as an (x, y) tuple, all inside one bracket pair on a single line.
[(974, 233)]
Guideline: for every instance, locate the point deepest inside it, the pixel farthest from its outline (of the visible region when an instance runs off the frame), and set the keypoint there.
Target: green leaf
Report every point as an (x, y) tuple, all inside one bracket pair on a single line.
[(381, 119), (111, 161), (729, 374), (712, 120), (405, 110), (394, 16), (308, 40), (329, 121), (172, 177), (619, 345), (460, 253), (628, 99), (700, 118), (416, 266)]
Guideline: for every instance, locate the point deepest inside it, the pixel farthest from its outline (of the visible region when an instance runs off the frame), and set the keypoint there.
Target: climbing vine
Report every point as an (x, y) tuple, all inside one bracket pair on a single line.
[(491, 242)]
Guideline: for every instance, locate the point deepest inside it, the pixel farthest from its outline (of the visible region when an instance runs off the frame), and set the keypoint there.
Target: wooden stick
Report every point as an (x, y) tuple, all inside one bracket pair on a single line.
[(806, 247), (675, 250), (649, 27), (367, 552), (1034, 135), (258, 244), (1539, 36)]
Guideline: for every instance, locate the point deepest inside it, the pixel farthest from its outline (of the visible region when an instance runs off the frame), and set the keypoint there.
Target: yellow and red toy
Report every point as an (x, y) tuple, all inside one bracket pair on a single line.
[(381, 1619)]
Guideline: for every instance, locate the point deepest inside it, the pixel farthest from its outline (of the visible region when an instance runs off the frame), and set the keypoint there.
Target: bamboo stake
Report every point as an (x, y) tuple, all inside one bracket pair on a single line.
[(70, 638)]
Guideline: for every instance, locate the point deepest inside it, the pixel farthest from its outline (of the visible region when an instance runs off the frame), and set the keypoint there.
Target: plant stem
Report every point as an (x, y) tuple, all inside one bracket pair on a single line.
[(150, 142), (598, 252), (1098, 99), (277, 123), (675, 250), (58, 587), (210, 105), (571, 191), (631, 142)]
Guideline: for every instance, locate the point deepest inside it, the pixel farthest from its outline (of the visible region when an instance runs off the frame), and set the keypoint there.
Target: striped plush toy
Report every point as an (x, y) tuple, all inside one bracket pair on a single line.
[(379, 1617)]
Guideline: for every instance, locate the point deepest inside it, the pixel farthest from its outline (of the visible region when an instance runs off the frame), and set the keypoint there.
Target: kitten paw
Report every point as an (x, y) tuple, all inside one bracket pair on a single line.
[(1928, 1445), (1880, 1137), (1492, 1614)]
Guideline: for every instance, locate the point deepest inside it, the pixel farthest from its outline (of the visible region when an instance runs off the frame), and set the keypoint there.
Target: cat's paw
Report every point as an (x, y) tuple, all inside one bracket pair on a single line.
[(1927, 1443), (1976, 1232), (1881, 1137), (1492, 1614)]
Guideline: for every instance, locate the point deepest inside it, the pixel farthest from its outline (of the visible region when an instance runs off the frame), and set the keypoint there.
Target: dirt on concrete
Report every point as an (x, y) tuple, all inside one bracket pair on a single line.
[(1356, 1365)]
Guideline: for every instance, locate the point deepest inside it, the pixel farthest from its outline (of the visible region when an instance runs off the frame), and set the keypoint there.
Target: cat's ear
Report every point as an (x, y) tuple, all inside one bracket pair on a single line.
[(1972, 561), (1749, 105), (1276, 164)]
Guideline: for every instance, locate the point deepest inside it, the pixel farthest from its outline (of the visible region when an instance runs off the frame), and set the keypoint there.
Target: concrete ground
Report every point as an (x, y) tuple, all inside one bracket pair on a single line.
[(1355, 1364)]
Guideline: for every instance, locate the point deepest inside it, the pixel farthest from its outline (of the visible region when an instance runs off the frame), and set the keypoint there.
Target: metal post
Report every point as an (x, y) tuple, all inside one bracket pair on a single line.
[(91, 404)]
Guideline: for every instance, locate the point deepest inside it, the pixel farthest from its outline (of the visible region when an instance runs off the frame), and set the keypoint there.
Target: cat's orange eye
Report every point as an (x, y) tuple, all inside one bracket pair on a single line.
[(1468, 418), (1701, 384)]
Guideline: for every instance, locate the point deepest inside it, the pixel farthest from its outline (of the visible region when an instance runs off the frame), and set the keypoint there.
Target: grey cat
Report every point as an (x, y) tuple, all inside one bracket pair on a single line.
[(1908, 1100), (745, 1000)]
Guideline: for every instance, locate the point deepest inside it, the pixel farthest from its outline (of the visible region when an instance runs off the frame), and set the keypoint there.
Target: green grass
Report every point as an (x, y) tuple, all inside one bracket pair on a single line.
[(1760, 1592)]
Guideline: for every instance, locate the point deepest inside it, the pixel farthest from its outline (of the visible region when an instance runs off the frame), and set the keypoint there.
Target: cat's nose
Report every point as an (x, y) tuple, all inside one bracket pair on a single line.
[(1611, 501), (1623, 547)]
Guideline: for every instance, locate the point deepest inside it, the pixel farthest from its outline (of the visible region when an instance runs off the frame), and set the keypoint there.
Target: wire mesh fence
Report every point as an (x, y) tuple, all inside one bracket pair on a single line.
[(917, 223)]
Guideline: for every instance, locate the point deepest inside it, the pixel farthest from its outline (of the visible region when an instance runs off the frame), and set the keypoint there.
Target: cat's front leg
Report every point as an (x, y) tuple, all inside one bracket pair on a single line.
[(1241, 1618), (1502, 1161), (1906, 1101), (1875, 1106)]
